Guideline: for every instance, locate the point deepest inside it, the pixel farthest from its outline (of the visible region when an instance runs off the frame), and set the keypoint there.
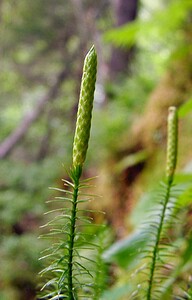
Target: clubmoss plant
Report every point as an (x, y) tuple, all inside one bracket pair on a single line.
[(80, 146), (151, 255), (160, 222), (66, 271)]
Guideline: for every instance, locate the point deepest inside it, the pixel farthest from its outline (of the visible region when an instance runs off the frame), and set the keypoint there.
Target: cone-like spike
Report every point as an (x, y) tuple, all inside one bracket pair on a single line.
[(85, 107), (172, 132)]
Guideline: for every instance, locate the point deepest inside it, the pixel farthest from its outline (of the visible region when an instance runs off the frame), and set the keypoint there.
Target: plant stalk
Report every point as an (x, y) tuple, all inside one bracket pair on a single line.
[(155, 250), (71, 289)]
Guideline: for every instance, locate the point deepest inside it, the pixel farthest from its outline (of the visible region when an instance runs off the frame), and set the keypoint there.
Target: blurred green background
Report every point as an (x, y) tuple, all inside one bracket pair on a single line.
[(144, 65)]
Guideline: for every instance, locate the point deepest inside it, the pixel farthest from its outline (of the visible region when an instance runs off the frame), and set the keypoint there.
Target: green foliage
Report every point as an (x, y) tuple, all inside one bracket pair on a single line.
[(19, 255), (74, 260), (149, 253), (185, 109), (133, 254), (37, 40), (151, 244), (162, 24), (22, 204)]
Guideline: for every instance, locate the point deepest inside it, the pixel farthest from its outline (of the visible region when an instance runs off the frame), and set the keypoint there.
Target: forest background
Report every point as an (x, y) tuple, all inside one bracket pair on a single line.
[(144, 66)]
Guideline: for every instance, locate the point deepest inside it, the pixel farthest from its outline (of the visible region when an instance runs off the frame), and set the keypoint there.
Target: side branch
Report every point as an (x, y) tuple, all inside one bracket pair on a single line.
[(14, 138)]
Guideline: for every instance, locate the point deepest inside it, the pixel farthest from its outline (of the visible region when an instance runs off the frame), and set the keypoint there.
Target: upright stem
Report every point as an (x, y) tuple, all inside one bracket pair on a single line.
[(71, 238), (155, 250), (172, 130)]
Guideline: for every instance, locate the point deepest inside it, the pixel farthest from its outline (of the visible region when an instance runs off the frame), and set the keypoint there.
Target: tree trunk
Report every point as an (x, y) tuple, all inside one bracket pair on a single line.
[(125, 12)]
